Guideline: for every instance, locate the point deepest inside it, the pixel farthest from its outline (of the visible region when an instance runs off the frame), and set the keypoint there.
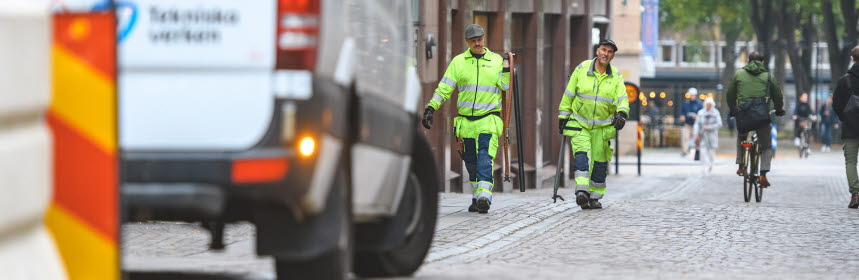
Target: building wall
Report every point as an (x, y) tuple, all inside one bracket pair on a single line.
[(626, 33)]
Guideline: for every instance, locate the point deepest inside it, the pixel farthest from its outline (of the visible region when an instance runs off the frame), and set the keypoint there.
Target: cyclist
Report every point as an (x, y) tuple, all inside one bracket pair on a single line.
[(749, 83), (801, 117)]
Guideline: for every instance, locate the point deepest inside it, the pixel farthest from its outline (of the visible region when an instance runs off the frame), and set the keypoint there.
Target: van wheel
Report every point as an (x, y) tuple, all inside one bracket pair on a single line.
[(336, 263), (420, 204)]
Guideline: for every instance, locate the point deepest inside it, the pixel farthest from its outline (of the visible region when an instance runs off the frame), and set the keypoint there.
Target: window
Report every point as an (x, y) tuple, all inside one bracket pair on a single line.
[(742, 54), (695, 54), (667, 56)]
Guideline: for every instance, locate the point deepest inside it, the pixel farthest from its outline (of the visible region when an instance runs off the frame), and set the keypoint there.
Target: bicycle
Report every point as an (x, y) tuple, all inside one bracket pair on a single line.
[(751, 167), (804, 134)]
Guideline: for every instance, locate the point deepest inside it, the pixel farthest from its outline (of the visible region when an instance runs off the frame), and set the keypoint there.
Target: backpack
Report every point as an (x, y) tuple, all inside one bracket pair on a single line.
[(755, 113), (852, 107)]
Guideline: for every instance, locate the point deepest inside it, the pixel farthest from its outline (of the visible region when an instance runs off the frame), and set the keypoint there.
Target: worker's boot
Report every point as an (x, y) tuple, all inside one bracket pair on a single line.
[(583, 200), (473, 206), (483, 205), (595, 204), (854, 202)]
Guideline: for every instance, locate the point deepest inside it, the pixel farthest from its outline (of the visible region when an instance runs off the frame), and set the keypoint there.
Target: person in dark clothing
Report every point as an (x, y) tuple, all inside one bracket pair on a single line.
[(850, 124), (689, 114), (802, 113), (828, 123)]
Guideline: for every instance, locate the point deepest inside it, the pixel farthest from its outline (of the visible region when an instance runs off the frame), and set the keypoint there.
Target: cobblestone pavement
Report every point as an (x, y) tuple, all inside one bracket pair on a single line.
[(673, 222)]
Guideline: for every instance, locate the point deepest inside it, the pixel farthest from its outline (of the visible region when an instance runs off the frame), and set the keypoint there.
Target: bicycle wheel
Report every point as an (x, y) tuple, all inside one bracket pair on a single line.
[(747, 177), (759, 191)]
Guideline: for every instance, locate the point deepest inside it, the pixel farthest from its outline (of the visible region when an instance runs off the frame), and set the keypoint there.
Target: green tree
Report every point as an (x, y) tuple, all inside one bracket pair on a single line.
[(722, 19), (834, 18)]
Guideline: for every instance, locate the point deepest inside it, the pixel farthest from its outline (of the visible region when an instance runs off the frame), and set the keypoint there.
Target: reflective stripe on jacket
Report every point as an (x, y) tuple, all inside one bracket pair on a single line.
[(592, 98), (480, 83)]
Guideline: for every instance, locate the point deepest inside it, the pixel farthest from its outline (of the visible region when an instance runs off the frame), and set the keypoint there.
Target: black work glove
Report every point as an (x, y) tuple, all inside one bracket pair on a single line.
[(427, 120), (779, 113), (732, 113), (561, 124), (619, 120)]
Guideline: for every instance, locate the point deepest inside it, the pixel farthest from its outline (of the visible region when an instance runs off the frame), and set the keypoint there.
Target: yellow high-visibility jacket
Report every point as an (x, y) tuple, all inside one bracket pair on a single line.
[(480, 83), (592, 98)]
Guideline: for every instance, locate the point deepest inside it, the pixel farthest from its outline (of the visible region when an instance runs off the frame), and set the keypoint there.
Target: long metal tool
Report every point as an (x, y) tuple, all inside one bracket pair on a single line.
[(558, 179), (519, 143), (506, 102)]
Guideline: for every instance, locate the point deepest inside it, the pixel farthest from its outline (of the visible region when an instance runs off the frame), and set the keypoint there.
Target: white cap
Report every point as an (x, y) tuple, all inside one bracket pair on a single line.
[(693, 91), (709, 100)]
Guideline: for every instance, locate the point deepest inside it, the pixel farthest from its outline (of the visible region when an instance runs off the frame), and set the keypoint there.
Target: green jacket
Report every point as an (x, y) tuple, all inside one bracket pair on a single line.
[(480, 84), (748, 83), (592, 98)]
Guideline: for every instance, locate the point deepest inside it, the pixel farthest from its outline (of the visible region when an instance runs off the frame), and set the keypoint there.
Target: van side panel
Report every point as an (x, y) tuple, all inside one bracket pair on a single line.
[(195, 75)]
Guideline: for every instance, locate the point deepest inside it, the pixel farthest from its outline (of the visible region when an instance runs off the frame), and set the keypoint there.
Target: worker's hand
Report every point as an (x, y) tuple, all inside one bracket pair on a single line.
[(835, 126), (732, 113), (619, 120), (561, 124), (506, 58), (781, 113), (427, 120)]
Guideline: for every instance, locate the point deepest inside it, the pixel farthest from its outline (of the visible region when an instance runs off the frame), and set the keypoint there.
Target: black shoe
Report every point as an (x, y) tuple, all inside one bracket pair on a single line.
[(582, 199), (483, 205), (854, 202), (595, 204), (473, 206)]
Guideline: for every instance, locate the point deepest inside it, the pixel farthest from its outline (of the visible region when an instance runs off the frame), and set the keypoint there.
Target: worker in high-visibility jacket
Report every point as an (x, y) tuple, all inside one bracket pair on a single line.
[(480, 76), (593, 108)]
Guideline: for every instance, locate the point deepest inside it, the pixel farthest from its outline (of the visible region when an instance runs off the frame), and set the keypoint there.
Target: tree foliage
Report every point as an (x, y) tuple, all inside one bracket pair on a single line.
[(784, 29)]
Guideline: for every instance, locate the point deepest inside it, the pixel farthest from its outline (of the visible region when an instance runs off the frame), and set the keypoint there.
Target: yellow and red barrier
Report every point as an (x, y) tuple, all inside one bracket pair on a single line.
[(84, 215)]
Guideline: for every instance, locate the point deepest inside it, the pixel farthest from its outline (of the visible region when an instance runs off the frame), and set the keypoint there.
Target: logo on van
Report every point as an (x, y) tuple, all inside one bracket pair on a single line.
[(126, 16)]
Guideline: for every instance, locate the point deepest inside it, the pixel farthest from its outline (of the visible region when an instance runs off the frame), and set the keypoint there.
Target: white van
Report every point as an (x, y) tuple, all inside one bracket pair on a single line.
[(296, 115)]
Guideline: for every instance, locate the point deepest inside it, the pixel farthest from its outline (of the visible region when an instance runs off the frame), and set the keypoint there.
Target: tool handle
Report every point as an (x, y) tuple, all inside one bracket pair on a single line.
[(507, 101)]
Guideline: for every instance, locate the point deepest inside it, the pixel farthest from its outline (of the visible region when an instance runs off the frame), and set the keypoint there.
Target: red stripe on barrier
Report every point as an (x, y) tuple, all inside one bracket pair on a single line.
[(91, 37), (85, 179)]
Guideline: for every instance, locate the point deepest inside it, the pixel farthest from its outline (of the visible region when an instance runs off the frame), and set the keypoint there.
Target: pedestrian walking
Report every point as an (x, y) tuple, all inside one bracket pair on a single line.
[(845, 105), (828, 123), (752, 88), (479, 75), (594, 106), (687, 118), (706, 130)]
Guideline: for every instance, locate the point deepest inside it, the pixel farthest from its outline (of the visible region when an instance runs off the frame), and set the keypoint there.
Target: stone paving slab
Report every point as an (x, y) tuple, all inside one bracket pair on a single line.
[(674, 222)]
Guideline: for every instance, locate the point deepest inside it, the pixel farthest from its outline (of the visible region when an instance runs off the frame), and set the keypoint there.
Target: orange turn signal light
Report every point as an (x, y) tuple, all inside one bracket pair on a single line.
[(306, 146)]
